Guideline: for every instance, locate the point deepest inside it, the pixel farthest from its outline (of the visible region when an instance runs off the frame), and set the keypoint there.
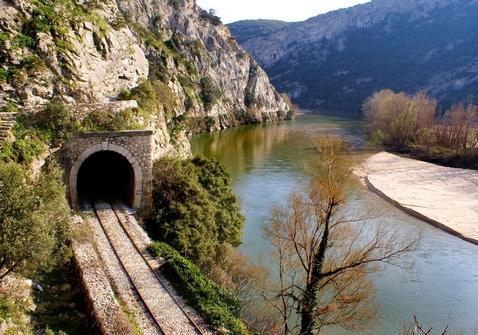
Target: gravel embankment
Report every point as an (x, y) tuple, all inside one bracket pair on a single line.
[(98, 292)]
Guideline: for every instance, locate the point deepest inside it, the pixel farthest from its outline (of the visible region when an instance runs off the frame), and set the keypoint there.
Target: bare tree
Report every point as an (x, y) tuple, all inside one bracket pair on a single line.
[(398, 118), (245, 279), (324, 252), (418, 329), (383, 112), (469, 116), (409, 122)]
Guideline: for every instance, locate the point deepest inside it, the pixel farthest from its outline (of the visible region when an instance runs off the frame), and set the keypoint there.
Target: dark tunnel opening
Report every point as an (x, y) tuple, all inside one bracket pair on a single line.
[(106, 176)]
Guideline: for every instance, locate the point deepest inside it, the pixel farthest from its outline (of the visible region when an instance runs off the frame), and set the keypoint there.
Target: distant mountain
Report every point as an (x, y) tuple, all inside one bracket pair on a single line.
[(334, 61), (248, 29)]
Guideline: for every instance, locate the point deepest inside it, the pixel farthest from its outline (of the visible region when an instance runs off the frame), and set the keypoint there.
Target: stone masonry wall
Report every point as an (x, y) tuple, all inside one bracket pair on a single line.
[(135, 146)]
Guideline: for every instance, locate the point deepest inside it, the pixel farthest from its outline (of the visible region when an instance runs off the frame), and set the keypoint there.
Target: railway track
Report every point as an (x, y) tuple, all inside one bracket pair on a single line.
[(167, 313)]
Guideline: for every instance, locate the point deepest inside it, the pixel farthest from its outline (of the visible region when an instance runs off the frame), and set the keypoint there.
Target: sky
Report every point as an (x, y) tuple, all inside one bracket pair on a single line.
[(286, 10)]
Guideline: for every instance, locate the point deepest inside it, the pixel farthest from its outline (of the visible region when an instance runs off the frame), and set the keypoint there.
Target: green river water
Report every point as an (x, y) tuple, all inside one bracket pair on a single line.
[(266, 162)]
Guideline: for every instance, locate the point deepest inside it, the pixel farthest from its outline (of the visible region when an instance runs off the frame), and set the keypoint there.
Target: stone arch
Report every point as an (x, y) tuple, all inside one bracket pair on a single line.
[(106, 146)]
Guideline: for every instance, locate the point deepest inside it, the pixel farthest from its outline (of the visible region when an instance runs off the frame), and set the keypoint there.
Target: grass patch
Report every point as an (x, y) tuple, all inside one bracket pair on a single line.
[(129, 317), (218, 307), (103, 120), (6, 308), (28, 144), (14, 310), (4, 36)]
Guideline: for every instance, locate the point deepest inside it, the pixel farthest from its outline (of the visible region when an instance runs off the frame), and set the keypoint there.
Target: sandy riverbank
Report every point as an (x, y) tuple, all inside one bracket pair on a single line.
[(445, 197)]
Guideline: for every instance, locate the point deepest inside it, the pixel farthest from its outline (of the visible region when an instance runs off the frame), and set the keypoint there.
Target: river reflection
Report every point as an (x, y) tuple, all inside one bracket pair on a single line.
[(267, 161)]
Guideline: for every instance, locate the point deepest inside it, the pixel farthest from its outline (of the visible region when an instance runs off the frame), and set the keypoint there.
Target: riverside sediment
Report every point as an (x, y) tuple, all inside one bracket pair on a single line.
[(444, 197)]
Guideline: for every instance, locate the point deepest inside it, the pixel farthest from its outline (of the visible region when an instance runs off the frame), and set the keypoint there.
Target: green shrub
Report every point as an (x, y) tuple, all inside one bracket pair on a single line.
[(195, 209), (119, 22), (34, 232), (56, 17), (28, 144), (23, 41), (218, 307), (4, 36), (210, 94), (210, 17), (6, 308), (52, 17), (165, 97), (104, 120), (3, 75), (210, 122), (100, 23), (197, 47), (11, 107), (57, 122), (176, 126), (52, 125), (32, 65), (25, 150), (145, 95), (153, 97)]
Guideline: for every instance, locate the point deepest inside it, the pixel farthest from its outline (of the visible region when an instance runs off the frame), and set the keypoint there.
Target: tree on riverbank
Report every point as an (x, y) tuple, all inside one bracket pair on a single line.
[(195, 209), (411, 123), (397, 119), (324, 252)]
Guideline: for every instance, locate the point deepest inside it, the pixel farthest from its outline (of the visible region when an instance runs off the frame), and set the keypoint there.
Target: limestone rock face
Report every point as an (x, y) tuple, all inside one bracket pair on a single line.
[(206, 80), (109, 64), (95, 63), (208, 45)]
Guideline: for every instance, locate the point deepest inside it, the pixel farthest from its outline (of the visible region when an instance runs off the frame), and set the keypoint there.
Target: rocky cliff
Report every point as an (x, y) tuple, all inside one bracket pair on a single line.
[(178, 62), (248, 29), (334, 61)]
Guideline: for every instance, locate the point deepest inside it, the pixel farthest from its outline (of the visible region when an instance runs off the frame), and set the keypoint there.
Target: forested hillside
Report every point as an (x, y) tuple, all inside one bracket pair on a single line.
[(332, 62)]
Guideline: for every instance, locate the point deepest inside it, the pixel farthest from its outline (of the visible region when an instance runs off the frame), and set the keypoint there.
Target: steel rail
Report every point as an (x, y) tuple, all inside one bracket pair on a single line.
[(159, 279)]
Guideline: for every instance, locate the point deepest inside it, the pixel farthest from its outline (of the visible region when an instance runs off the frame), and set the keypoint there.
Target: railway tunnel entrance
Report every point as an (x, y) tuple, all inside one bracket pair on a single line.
[(106, 176), (111, 166)]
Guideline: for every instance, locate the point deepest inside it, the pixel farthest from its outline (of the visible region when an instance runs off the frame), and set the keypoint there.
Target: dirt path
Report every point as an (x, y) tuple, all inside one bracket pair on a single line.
[(445, 197)]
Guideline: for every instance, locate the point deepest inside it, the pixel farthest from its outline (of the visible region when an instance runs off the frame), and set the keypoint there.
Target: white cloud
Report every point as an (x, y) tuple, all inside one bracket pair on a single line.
[(287, 10)]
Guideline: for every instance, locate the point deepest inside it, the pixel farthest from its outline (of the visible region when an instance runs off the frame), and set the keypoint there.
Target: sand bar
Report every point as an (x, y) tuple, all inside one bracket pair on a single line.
[(445, 197)]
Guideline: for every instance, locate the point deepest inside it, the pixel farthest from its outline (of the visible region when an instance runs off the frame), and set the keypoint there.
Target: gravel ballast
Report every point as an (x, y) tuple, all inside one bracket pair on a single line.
[(155, 296)]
